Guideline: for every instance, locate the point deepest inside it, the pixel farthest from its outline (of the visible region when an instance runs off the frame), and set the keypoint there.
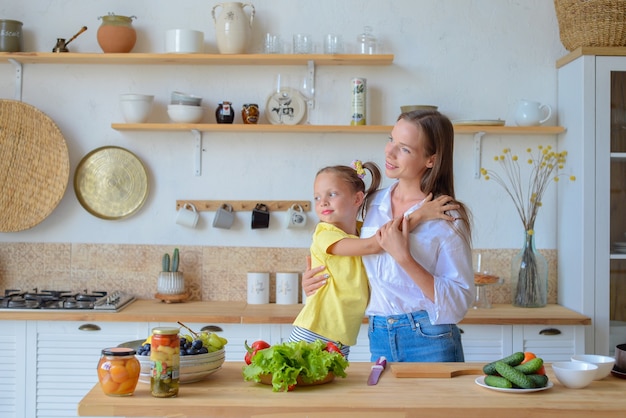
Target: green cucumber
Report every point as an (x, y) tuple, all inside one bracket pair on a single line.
[(512, 360), (531, 366), (516, 377), (498, 382), (540, 380)]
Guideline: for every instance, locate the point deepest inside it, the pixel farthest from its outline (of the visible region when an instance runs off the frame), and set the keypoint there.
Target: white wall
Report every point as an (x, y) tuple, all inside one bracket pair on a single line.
[(474, 59)]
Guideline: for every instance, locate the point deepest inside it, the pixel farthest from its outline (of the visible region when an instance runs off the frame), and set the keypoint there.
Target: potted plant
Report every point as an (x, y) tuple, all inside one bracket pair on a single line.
[(171, 283)]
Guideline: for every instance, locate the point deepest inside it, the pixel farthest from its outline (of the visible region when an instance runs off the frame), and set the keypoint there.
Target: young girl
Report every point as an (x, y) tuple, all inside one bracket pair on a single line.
[(335, 312)]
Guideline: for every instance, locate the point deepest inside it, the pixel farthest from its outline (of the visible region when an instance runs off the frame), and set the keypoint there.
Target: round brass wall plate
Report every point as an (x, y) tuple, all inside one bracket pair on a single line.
[(111, 183)]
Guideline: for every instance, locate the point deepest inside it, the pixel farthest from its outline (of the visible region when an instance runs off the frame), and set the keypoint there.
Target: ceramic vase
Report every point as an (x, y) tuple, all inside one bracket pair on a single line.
[(232, 27), (529, 275), (116, 34)]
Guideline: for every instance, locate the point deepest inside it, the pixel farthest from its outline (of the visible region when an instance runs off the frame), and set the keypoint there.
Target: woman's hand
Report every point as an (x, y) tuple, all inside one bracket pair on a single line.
[(311, 279), (393, 237)]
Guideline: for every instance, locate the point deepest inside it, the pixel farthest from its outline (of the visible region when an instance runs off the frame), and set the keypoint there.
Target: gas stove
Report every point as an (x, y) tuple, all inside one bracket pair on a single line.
[(65, 300)]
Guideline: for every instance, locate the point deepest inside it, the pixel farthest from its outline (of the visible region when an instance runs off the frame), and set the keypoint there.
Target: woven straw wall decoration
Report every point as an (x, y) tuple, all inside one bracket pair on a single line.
[(34, 166)]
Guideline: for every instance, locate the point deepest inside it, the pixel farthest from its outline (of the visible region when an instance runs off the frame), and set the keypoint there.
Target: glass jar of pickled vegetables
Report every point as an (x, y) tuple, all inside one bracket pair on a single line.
[(118, 371), (165, 358)]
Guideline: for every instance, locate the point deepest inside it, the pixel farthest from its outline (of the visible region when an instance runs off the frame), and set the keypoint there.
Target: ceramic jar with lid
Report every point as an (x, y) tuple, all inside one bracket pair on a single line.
[(225, 113), (116, 33), (118, 371), (250, 113), (10, 35)]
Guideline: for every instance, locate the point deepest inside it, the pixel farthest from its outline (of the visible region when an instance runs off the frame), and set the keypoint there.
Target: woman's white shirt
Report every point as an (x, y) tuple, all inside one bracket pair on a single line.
[(437, 247)]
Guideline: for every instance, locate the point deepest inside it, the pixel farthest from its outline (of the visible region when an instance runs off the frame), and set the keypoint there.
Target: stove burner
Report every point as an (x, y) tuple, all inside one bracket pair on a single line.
[(60, 300)]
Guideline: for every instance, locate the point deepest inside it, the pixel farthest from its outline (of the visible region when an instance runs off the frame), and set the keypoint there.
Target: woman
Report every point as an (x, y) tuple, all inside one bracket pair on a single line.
[(423, 284)]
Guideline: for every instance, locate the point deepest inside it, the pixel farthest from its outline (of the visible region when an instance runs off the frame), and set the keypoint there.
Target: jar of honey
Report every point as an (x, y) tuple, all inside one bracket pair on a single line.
[(118, 371), (165, 358)]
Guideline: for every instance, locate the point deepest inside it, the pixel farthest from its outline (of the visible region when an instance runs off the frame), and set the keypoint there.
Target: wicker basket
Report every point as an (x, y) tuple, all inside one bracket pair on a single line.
[(591, 22)]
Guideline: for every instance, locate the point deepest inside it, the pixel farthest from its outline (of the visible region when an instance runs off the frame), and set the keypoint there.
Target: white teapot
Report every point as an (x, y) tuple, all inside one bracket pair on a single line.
[(529, 113)]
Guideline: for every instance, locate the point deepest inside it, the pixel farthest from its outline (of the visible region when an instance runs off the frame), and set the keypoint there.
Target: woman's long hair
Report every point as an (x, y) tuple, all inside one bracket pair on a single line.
[(438, 135)]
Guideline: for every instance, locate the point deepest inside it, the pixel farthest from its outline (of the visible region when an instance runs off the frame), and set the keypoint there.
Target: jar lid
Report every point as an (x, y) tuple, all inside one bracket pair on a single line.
[(119, 351), (165, 331)]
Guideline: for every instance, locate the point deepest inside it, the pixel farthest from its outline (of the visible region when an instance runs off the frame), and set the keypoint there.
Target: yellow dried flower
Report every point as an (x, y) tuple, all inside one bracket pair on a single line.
[(544, 162)]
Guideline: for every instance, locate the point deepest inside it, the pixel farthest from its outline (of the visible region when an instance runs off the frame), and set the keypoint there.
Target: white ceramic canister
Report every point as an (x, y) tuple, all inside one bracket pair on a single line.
[(184, 41), (287, 288), (233, 27), (258, 288)]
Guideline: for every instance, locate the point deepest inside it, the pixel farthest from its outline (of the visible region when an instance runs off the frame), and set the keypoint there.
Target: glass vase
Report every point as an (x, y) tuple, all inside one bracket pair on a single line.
[(529, 276)]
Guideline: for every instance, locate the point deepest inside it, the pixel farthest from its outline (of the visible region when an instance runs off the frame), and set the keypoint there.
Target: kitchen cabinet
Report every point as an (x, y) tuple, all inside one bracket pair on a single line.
[(65, 359), (591, 240), (13, 355), (486, 343)]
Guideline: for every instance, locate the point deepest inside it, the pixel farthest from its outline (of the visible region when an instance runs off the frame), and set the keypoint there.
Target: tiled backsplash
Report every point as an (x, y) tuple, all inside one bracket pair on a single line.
[(211, 273)]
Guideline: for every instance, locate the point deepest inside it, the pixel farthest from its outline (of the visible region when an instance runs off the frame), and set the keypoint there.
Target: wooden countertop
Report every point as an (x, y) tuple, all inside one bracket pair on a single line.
[(148, 310), (226, 394)]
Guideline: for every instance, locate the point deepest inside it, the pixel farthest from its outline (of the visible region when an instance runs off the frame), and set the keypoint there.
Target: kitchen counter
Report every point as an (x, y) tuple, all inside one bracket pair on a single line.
[(147, 310), (226, 394)]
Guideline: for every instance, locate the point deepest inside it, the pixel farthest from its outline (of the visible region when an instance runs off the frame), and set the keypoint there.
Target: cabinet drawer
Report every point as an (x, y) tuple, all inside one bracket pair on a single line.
[(550, 342), (485, 343)]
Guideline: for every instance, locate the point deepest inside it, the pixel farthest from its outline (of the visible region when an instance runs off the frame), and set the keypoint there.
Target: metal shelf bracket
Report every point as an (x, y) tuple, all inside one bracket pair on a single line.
[(18, 78), (198, 151), (478, 143)]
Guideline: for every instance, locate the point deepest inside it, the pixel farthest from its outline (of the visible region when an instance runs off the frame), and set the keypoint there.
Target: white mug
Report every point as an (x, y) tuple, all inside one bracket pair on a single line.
[(258, 288), (287, 286), (187, 216), (296, 218), (529, 113)]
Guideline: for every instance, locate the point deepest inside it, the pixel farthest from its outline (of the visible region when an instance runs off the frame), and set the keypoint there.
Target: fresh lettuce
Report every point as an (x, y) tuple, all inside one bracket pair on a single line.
[(285, 362)]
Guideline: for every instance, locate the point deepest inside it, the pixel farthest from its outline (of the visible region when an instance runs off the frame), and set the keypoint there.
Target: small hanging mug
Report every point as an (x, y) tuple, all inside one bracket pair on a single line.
[(224, 217), (187, 216), (260, 216), (296, 218)]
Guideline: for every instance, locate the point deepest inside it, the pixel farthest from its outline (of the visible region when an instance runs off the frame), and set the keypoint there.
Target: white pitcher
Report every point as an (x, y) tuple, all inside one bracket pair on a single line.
[(233, 27), (531, 113)]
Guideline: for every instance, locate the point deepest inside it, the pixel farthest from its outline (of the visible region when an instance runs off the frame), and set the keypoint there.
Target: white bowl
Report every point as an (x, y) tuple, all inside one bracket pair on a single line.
[(185, 99), (604, 363), (185, 113), (136, 107), (574, 374)]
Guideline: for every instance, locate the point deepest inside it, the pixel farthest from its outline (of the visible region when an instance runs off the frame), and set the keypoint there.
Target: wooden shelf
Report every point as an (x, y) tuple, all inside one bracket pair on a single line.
[(194, 59), (373, 129)]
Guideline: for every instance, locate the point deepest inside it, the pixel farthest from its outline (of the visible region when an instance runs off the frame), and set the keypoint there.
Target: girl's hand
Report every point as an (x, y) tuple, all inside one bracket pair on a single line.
[(393, 237), (433, 209), (311, 279)]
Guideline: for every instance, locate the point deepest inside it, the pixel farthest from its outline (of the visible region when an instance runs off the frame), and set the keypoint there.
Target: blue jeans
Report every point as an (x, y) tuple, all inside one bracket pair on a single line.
[(411, 338)]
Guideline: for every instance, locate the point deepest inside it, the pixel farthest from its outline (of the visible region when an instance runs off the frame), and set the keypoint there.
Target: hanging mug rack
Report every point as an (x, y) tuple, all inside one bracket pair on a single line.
[(245, 205)]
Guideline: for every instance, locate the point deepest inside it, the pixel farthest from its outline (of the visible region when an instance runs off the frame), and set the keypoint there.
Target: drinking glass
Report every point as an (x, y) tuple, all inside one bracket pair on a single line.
[(284, 93), (307, 88), (302, 43)]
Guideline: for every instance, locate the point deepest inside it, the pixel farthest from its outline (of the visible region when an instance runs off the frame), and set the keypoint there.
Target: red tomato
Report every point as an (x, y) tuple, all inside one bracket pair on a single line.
[(332, 348)]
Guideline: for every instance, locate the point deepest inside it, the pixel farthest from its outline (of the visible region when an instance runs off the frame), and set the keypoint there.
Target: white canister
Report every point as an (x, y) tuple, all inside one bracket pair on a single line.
[(287, 288), (258, 288), (184, 41)]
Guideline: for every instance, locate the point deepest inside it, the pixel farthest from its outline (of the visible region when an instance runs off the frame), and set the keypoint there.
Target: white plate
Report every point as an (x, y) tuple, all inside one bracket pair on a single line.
[(293, 110), (479, 122), (480, 381)]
